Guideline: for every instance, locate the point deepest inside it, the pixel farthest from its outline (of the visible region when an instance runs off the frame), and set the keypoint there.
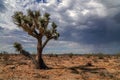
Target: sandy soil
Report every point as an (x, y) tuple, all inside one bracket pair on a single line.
[(63, 67)]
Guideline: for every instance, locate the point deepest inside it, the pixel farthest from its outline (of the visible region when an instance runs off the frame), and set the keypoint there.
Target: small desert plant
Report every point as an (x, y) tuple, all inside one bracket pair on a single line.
[(17, 46), (20, 49), (70, 55), (100, 55), (88, 55), (3, 52), (53, 55), (4, 55), (117, 55)]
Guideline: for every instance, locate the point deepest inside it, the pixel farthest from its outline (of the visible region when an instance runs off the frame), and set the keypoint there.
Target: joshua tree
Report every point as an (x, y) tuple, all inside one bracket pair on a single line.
[(36, 25)]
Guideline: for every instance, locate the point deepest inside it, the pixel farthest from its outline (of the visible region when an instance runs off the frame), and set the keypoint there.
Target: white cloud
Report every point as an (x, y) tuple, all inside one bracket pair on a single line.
[(85, 12), (66, 11)]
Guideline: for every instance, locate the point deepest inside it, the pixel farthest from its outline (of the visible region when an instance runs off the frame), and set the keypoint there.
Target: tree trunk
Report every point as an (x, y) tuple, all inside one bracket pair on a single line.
[(41, 63)]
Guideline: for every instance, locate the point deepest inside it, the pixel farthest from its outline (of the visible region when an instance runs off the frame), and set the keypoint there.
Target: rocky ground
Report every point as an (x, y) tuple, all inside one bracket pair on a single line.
[(62, 67)]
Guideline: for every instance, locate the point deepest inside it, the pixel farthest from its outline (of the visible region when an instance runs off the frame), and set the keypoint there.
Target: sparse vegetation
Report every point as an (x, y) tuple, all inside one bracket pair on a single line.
[(117, 55), (3, 52), (53, 55), (62, 67)]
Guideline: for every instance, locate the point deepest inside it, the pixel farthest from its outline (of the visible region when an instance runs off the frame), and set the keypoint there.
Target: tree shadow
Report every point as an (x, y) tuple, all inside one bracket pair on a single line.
[(81, 67), (84, 68)]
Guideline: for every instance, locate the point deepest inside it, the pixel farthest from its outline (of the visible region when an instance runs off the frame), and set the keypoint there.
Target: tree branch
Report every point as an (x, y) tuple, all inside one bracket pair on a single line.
[(44, 44), (32, 34), (36, 32), (28, 29)]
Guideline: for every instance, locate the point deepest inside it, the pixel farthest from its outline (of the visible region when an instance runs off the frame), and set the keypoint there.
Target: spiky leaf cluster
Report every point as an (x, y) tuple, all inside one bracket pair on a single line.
[(36, 24), (17, 46)]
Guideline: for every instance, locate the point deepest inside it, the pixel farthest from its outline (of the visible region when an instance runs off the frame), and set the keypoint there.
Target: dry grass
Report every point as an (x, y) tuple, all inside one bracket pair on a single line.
[(62, 67)]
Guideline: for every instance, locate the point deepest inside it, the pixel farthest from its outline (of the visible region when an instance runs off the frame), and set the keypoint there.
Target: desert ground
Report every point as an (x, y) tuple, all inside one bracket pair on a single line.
[(62, 67)]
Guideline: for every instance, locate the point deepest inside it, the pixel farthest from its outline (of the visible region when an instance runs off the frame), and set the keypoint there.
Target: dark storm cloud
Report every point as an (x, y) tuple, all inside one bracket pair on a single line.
[(103, 33), (110, 3), (44, 1), (1, 28), (2, 7), (100, 31), (117, 18)]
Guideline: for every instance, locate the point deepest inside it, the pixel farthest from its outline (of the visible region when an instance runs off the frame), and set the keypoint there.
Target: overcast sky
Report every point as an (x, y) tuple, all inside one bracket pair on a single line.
[(85, 26)]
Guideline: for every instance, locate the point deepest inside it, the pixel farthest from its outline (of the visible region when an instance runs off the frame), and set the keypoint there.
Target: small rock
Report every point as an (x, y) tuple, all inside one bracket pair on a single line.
[(36, 75), (89, 64), (12, 67)]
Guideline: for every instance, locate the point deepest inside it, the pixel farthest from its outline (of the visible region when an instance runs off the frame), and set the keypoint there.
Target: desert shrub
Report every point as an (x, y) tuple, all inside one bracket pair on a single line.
[(50, 55), (117, 55), (5, 57), (70, 55), (88, 55), (3, 52), (100, 55), (53, 55)]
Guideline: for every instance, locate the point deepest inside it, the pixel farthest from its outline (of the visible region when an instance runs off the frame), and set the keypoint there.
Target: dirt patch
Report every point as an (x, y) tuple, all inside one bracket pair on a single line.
[(17, 67)]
